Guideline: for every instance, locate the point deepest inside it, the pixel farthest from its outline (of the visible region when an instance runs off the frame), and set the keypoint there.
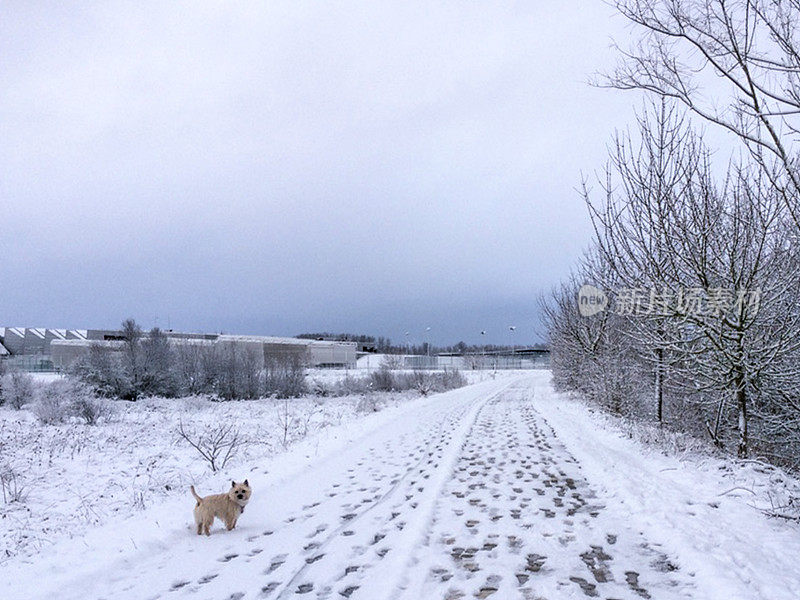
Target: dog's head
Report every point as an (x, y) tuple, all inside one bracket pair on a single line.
[(240, 492)]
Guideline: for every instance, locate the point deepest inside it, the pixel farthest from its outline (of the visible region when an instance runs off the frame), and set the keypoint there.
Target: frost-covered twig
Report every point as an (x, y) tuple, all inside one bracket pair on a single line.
[(217, 446), (738, 487)]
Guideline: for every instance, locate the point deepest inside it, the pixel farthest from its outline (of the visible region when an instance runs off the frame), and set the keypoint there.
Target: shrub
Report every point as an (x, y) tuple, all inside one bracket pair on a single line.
[(350, 386), (426, 382), (11, 485), (91, 409), (52, 407), (368, 404), (320, 388), (102, 369), (66, 398), (451, 379), (421, 382), (382, 380), (143, 365), (158, 372), (16, 389)]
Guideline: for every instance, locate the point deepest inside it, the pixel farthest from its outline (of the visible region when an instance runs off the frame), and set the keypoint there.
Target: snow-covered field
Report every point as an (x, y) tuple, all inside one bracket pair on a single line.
[(74, 476), (502, 489)]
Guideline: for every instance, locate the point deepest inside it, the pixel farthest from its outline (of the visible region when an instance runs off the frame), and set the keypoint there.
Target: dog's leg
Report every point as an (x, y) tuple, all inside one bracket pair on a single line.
[(197, 520)]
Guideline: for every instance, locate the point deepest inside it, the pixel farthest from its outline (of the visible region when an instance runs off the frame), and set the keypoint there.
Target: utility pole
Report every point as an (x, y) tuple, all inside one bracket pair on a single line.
[(512, 329)]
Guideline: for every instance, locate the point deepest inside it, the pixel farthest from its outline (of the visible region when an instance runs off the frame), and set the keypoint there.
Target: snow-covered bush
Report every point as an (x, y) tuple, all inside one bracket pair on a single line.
[(449, 379), (144, 365), (158, 373), (421, 382), (11, 485), (16, 389), (350, 385), (54, 402), (67, 397), (424, 382), (319, 388), (102, 369), (91, 409), (382, 380), (52, 407), (368, 404)]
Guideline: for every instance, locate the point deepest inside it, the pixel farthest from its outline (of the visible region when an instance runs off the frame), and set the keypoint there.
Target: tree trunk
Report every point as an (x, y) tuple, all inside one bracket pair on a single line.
[(659, 384), (741, 405)]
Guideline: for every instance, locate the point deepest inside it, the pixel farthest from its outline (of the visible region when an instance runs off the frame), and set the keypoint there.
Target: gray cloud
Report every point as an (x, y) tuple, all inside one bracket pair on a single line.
[(298, 166)]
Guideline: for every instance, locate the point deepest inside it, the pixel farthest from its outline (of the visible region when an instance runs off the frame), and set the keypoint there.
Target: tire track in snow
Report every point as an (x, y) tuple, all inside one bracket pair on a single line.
[(419, 489)]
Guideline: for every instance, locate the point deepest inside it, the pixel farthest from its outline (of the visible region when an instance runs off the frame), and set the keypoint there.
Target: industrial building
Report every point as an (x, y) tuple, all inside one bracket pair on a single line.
[(58, 349)]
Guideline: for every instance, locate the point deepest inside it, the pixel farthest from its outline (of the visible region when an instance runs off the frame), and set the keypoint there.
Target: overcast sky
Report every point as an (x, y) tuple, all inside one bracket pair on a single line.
[(298, 166)]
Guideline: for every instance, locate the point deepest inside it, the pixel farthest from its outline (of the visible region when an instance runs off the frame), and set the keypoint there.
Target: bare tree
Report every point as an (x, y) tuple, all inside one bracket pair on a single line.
[(157, 365), (285, 375), (734, 63), (591, 355), (286, 420), (696, 243), (188, 366), (238, 373), (132, 357)]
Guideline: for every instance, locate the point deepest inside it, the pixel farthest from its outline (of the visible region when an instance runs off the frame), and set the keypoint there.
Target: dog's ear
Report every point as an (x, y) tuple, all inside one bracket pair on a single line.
[(246, 483), (233, 484)]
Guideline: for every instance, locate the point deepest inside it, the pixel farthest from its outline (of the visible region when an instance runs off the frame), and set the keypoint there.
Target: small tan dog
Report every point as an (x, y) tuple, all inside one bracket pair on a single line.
[(226, 507)]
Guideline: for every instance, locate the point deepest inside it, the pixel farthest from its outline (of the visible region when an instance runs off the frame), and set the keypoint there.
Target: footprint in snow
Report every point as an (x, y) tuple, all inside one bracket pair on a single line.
[(587, 588), (276, 563), (269, 588), (348, 591)]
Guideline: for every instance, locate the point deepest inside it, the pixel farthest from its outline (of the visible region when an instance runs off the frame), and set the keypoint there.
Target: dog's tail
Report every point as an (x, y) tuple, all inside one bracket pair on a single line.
[(196, 497)]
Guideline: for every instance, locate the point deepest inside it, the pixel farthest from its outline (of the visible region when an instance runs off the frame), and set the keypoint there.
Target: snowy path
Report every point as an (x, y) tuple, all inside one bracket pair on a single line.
[(469, 494), (518, 519)]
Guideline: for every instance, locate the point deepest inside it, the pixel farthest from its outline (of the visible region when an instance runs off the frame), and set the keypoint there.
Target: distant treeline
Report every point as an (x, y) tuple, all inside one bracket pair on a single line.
[(383, 345)]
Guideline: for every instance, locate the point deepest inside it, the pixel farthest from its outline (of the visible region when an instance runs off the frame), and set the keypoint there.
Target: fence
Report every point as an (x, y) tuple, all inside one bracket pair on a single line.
[(35, 363), (491, 362)]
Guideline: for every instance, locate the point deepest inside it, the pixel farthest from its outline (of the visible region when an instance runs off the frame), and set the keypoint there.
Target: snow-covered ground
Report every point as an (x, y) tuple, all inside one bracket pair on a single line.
[(74, 476), (502, 489)]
